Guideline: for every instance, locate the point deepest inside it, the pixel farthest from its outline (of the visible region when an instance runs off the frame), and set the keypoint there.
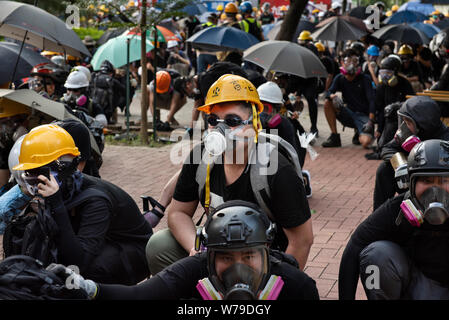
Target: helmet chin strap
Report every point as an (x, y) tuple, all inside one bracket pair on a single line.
[(257, 125)]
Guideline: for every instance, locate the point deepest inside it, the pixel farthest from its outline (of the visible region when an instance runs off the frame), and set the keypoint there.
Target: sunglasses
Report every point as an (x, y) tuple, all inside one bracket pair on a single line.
[(231, 120)]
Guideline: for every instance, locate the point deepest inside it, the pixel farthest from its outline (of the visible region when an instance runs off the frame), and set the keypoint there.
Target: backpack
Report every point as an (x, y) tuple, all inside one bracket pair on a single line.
[(25, 278), (102, 92), (33, 233), (253, 27), (259, 163)]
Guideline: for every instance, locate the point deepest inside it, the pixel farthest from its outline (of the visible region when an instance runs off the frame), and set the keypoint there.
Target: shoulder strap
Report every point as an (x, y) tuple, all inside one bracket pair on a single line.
[(84, 195)]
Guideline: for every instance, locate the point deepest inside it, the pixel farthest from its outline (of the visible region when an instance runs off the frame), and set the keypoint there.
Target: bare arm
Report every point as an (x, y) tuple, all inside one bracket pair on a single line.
[(169, 189), (300, 240), (181, 224)]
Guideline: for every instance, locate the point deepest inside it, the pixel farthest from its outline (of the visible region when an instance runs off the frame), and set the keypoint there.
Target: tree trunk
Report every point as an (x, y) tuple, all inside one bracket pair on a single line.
[(291, 20), (143, 62)]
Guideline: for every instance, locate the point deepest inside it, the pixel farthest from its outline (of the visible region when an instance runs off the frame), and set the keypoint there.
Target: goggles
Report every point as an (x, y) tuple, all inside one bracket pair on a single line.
[(230, 120), (386, 73)]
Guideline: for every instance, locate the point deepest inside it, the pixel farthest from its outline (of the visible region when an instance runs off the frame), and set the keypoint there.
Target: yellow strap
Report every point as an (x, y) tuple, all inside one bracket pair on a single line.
[(207, 196), (257, 125)]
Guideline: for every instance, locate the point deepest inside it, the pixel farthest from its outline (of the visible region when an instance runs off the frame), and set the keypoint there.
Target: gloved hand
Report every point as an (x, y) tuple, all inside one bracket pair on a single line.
[(368, 128), (74, 280), (153, 217)]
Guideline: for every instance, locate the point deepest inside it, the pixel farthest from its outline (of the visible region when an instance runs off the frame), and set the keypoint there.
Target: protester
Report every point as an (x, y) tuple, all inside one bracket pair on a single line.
[(224, 101), (409, 68), (177, 59), (267, 17), (248, 23)]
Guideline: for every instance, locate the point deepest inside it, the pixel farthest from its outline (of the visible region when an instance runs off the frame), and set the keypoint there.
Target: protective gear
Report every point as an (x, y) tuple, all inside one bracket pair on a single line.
[(44, 69), (106, 67), (405, 50), (368, 128), (153, 216), (391, 63), (399, 163), (320, 47), (237, 229), (403, 132), (283, 8), (373, 51), (220, 7), (11, 109), (305, 35), (163, 81), (45, 144), (358, 47), (388, 77), (172, 44), (59, 61), (350, 69), (270, 92), (246, 7), (335, 5), (84, 70), (76, 80), (429, 159), (395, 8), (13, 160), (231, 8)]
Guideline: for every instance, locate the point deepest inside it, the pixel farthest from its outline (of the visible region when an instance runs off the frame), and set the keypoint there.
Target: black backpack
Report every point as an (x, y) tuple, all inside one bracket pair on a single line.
[(102, 92), (25, 278)]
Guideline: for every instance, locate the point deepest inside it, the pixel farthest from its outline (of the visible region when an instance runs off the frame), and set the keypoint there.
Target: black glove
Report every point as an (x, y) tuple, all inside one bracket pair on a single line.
[(368, 128)]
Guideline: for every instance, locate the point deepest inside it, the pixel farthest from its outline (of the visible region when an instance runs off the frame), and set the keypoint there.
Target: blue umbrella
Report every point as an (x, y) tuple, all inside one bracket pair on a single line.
[(429, 29), (406, 16), (195, 9), (222, 39), (424, 8)]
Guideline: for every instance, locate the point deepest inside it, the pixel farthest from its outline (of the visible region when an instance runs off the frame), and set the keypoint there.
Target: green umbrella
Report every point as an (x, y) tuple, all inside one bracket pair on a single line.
[(115, 51)]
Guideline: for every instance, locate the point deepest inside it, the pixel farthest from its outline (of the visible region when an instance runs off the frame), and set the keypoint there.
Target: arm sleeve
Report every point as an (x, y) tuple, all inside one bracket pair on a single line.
[(334, 86), (369, 92)]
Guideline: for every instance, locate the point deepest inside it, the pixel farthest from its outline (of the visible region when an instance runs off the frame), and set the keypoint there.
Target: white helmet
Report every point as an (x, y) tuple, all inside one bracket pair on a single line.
[(84, 70), (76, 79), (13, 160), (270, 92), (172, 44)]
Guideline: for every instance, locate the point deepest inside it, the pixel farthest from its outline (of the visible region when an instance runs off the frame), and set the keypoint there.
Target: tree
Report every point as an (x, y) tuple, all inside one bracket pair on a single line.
[(288, 27)]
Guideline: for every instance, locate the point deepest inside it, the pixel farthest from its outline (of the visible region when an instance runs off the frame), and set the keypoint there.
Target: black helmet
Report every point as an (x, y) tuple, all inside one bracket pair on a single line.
[(358, 47), (390, 63), (106, 67), (429, 158)]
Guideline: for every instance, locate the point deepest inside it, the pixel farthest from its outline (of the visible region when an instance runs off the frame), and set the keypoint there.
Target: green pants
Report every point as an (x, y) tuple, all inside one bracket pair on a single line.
[(162, 250)]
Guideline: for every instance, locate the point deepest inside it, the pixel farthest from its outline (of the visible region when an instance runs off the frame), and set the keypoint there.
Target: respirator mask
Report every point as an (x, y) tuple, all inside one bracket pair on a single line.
[(388, 77), (404, 136)]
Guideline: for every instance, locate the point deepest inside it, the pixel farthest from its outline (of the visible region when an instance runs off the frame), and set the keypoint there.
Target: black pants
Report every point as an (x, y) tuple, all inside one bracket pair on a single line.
[(385, 186), (309, 89), (387, 273)]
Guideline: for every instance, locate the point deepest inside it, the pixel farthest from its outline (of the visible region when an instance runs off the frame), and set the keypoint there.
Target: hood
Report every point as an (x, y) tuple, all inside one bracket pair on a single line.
[(426, 114)]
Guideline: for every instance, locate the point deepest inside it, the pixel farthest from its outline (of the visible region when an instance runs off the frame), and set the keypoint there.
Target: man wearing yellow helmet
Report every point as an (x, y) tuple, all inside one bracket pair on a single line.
[(101, 229), (233, 107), (410, 68)]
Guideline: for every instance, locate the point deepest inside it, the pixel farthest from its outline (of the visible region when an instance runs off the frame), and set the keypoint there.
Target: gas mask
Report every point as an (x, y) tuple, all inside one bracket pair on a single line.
[(405, 137), (74, 101), (399, 163), (432, 207), (350, 66), (387, 77)]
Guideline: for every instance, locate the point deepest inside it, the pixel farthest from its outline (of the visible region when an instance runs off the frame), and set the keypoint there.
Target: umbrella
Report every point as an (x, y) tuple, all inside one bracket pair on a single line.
[(39, 28), (352, 20), (163, 34), (359, 12), (115, 51), (402, 33), (195, 9), (302, 25), (110, 34), (52, 109), (424, 8), (287, 57), (442, 24), (28, 59), (338, 30), (221, 39), (428, 29), (170, 25), (406, 16)]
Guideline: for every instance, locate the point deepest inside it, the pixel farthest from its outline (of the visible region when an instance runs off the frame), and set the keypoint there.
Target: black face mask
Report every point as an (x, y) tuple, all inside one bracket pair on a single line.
[(402, 133), (239, 281), (435, 202)]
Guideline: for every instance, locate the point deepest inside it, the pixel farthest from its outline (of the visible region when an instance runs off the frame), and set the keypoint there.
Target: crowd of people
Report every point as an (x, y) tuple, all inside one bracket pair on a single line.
[(256, 240)]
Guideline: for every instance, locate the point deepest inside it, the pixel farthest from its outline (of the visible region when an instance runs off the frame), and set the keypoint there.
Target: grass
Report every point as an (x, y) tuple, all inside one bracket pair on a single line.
[(133, 141)]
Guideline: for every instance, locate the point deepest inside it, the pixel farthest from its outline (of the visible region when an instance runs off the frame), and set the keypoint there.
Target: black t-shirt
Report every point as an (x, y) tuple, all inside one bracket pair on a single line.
[(288, 203), (267, 18), (179, 280), (427, 246)]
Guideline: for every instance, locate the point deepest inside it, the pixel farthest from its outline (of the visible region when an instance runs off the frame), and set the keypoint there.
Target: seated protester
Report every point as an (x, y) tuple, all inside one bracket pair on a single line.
[(410, 69), (357, 109), (76, 98), (234, 265), (172, 91), (106, 90), (370, 66), (271, 97), (424, 60), (231, 105), (177, 59), (392, 88), (419, 118), (103, 233), (406, 237)]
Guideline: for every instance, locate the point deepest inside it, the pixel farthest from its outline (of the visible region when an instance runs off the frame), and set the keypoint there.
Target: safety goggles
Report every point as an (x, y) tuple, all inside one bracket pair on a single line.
[(349, 60), (386, 73), (231, 120)]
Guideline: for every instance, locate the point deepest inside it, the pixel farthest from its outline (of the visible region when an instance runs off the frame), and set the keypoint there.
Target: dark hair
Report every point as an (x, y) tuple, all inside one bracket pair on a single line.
[(349, 53), (425, 54)]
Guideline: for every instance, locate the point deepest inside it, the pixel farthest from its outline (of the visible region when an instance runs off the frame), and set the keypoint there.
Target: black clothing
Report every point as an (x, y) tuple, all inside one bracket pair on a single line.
[(179, 280), (358, 94), (426, 246), (267, 18), (289, 205), (412, 71), (105, 236), (309, 88)]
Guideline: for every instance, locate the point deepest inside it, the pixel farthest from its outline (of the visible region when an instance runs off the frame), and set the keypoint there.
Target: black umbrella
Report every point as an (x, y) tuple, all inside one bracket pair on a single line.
[(110, 34), (442, 24), (9, 52), (359, 12), (39, 28), (302, 25), (403, 33), (338, 29)]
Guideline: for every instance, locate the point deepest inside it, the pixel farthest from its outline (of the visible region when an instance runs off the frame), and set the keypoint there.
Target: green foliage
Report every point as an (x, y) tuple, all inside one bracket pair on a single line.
[(93, 32), (133, 141)]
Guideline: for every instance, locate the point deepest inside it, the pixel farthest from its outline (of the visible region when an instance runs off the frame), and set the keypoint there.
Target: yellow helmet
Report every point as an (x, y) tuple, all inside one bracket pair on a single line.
[(223, 16), (320, 47), (238, 16), (230, 87), (220, 7), (405, 49), (389, 13), (43, 145), (47, 53), (11, 109), (231, 8), (435, 13), (305, 35), (315, 11), (395, 8), (284, 8)]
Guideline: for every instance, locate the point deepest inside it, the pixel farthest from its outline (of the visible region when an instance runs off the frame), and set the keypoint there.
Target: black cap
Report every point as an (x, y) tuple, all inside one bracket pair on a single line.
[(80, 135)]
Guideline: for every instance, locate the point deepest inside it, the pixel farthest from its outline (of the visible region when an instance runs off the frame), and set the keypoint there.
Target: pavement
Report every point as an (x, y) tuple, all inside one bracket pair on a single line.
[(342, 185)]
